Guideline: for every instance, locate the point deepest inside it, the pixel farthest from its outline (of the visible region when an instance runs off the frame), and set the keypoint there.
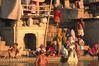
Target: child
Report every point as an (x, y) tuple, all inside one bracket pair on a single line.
[(13, 51), (42, 59)]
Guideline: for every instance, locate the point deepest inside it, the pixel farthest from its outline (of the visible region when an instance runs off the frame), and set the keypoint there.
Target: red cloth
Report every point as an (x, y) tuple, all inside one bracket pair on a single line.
[(57, 16), (51, 49), (93, 50)]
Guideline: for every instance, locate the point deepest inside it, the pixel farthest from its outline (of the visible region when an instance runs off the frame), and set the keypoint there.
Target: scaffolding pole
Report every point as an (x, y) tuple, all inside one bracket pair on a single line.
[(47, 25)]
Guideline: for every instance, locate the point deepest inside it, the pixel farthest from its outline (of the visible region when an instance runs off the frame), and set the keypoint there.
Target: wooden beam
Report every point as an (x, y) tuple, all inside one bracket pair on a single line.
[(38, 7)]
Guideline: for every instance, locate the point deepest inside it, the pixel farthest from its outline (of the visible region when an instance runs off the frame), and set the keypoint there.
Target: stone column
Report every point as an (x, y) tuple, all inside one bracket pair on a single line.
[(30, 21)]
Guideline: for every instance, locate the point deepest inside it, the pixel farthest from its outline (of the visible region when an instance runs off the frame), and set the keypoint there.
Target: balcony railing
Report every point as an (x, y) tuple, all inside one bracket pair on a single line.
[(41, 10)]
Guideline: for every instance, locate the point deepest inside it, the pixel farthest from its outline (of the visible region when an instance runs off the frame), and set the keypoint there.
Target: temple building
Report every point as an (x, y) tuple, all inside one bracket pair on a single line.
[(26, 30)]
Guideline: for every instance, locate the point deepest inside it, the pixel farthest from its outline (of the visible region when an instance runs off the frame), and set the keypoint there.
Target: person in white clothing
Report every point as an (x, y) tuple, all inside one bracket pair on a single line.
[(64, 54)]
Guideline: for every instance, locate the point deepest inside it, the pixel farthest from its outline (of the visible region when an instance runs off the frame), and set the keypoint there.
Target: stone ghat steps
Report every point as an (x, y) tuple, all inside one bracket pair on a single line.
[(51, 59), (3, 44), (17, 60), (3, 48)]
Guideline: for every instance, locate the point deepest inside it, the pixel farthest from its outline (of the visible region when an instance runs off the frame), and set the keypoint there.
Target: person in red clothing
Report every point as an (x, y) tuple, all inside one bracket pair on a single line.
[(41, 59), (13, 51), (57, 16)]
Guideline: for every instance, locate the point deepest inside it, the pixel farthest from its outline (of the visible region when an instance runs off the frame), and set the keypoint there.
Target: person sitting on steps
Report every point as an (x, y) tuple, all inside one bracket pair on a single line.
[(13, 51)]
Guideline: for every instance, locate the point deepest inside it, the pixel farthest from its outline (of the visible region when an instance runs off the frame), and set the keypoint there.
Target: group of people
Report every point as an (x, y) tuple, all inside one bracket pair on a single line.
[(65, 44), (70, 50)]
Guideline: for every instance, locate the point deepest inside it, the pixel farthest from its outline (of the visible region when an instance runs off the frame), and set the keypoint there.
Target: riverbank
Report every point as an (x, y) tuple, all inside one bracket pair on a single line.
[(51, 59)]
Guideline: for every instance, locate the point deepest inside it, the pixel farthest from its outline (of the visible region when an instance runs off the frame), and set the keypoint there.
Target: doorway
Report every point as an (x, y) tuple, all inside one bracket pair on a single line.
[(30, 41)]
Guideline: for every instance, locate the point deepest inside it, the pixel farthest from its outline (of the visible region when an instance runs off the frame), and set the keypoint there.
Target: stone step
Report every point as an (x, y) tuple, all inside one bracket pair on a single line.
[(2, 43), (3, 46), (17, 60), (51, 59)]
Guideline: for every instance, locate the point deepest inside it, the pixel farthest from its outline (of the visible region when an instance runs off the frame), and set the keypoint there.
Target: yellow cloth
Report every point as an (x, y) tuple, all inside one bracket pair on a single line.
[(73, 58)]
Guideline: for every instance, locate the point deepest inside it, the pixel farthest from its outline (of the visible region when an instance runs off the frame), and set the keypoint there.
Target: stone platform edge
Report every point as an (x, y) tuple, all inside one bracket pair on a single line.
[(50, 59)]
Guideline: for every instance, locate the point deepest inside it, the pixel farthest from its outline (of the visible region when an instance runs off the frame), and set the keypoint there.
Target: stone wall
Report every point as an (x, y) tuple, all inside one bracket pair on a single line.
[(7, 34), (92, 31)]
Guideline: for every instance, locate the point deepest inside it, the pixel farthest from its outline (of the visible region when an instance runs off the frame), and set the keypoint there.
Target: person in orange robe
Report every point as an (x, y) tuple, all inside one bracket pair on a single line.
[(41, 59)]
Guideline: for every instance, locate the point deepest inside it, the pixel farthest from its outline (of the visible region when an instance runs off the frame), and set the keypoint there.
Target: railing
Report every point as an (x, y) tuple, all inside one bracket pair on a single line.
[(41, 10)]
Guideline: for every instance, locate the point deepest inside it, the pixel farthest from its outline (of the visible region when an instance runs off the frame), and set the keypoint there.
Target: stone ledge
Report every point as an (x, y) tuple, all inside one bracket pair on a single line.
[(51, 59)]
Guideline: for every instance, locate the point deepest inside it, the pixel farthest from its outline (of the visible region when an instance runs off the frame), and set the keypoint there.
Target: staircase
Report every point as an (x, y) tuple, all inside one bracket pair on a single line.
[(3, 48)]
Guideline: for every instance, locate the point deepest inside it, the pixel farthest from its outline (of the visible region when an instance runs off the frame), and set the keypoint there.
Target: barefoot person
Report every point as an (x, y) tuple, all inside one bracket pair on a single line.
[(41, 59), (13, 51)]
